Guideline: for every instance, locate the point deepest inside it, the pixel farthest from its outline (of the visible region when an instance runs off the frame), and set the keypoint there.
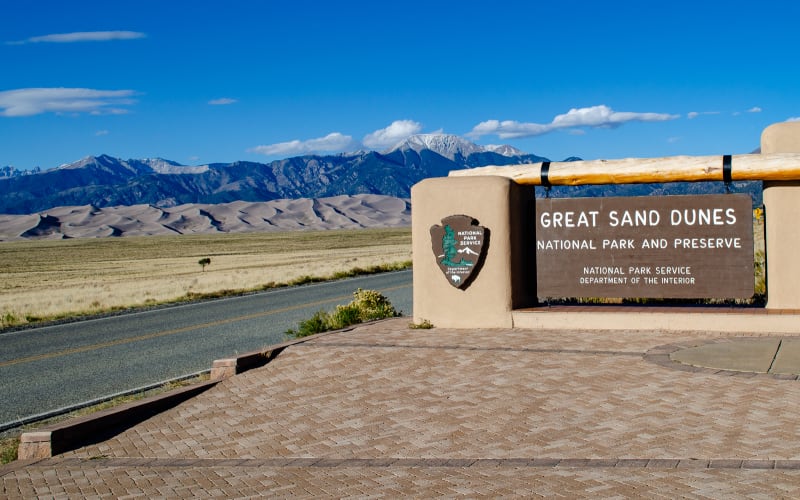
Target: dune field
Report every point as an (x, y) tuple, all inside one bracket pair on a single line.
[(87, 221)]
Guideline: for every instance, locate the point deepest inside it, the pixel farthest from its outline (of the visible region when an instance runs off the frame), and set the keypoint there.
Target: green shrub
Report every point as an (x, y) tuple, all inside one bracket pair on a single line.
[(760, 265), (8, 449), (344, 316), (317, 323), (9, 319), (422, 325), (373, 305), (367, 305)]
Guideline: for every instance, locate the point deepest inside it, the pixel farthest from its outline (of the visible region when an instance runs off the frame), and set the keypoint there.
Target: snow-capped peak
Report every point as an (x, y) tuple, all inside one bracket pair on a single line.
[(162, 166), (504, 149), (157, 165), (450, 145), (88, 160)]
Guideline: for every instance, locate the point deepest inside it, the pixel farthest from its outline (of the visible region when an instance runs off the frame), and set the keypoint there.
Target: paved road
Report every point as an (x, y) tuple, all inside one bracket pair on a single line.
[(44, 369)]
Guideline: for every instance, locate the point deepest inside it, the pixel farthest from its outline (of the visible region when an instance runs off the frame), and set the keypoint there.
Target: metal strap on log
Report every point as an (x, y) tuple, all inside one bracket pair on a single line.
[(748, 167)]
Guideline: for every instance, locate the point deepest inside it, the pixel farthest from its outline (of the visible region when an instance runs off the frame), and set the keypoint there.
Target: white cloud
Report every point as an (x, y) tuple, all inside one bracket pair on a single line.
[(694, 114), (793, 119), (222, 101), (331, 142), (82, 36), (101, 132), (603, 116), (508, 129), (594, 116), (337, 142), (397, 131), (35, 101), (754, 109)]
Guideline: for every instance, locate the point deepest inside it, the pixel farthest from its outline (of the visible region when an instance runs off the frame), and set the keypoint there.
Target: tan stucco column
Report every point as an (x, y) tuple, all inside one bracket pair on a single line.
[(782, 211), (505, 281)]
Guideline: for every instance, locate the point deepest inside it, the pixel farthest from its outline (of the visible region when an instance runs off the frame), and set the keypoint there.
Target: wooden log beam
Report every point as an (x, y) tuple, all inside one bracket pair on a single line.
[(748, 167)]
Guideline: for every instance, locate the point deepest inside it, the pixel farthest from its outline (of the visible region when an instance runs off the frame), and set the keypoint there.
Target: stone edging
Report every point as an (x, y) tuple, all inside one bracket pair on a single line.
[(660, 355), (74, 433)]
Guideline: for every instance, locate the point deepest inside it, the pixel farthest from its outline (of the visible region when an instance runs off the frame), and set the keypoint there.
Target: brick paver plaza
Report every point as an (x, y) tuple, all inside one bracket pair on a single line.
[(386, 411)]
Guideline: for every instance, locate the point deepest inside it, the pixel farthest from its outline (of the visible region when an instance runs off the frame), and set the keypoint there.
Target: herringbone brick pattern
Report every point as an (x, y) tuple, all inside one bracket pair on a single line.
[(100, 480), (383, 410)]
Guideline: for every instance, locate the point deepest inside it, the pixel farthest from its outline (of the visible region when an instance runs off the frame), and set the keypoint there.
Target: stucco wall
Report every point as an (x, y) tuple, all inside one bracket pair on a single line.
[(504, 282)]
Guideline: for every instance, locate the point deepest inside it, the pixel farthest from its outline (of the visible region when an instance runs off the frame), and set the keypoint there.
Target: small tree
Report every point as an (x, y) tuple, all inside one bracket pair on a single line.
[(204, 262)]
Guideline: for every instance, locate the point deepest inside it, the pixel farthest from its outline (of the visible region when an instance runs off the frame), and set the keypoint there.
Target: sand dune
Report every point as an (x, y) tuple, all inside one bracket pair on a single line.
[(338, 212)]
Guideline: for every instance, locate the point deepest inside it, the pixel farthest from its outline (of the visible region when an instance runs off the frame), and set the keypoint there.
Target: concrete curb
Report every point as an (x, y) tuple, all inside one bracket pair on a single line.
[(66, 410), (228, 367), (75, 433)]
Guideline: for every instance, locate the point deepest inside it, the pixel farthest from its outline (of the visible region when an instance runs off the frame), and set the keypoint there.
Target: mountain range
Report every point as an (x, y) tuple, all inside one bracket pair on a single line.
[(106, 196), (104, 181)]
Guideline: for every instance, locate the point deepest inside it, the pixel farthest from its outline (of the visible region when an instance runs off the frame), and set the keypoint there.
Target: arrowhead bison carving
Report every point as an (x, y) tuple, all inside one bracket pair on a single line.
[(459, 245)]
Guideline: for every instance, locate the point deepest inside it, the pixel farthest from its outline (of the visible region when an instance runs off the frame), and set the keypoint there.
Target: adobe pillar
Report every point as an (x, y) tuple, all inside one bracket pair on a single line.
[(782, 210), (505, 280)]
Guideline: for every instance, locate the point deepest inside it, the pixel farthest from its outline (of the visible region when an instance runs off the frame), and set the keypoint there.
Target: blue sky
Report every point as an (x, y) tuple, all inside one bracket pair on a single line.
[(213, 81)]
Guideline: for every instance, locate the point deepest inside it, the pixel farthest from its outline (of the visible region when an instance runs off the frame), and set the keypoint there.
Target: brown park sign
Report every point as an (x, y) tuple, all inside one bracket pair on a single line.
[(645, 247)]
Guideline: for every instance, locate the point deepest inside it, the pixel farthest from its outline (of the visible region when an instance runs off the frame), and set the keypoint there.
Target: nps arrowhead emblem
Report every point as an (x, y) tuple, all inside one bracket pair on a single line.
[(459, 246)]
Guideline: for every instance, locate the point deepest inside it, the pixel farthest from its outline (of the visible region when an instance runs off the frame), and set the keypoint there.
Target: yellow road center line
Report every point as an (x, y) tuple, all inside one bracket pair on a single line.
[(184, 329)]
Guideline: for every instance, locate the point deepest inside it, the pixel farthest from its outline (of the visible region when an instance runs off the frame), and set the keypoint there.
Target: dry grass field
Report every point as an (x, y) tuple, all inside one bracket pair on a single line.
[(51, 278), (48, 278)]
